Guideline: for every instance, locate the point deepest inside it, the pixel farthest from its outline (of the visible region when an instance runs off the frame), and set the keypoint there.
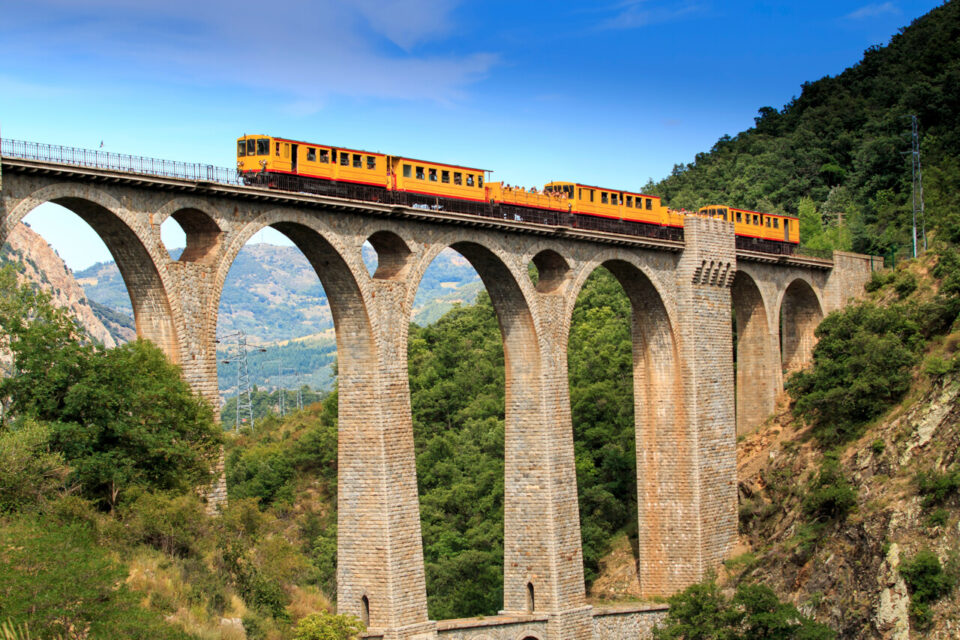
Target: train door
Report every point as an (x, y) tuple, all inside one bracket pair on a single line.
[(786, 229), (293, 157)]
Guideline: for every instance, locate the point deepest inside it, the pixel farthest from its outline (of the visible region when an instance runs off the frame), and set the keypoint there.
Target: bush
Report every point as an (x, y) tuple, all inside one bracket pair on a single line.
[(905, 284), (56, 580), (701, 612), (30, 474), (829, 496), (262, 471), (927, 582), (861, 366), (879, 279), (935, 487), (173, 524), (328, 626)]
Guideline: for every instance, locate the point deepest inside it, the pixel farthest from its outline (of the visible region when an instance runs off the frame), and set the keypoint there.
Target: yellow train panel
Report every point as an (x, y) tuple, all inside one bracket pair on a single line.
[(754, 224), (554, 200), (434, 179)]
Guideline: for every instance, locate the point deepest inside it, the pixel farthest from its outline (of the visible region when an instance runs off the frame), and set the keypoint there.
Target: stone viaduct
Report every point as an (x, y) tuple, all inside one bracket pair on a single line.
[(687, 415)]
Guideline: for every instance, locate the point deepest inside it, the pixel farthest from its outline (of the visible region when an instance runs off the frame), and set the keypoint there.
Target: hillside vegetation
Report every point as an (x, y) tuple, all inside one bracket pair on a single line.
[(836, 152)]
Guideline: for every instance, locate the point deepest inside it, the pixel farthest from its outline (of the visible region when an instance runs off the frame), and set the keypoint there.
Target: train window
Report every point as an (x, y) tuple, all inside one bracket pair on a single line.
[(311, 154), (344, 159), (756, 220), (263, 147), (241, 148), (251, 147), (630, 201), (371, 162), (776, 223), (480, 182), (579, 194), (603, 197), (445, 177), (407, 171), (739, 217), (569, 191), (333, 156), (591, 194), (768, 222), (433, 175), (358, 161), (649, 204), (457, 177), (419, 173), (469, 179), (278, 149), (325, 155)]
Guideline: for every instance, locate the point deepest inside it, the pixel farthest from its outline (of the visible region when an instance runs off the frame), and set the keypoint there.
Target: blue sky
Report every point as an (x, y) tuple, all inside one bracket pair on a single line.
[(610, 93)]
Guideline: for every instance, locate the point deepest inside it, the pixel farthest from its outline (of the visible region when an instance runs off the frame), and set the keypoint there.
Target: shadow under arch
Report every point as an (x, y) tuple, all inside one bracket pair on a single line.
[(526, 475), (756, 366), (154, 315), (666, 512), (800, 313)]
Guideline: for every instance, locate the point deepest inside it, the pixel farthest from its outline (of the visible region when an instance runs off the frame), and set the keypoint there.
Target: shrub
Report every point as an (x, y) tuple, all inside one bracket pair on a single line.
[(905, 284), (328, 626), (861, 366), (935, 487), (830, 497), (171, 523), (263, 471), (927, 582), (879, 279), (877, 446), (30, 474), (701, 612), (57, 581)]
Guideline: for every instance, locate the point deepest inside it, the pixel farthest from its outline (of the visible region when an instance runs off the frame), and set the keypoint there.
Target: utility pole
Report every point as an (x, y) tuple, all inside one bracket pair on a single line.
[(244, 401), (299, 392), (916, 173)]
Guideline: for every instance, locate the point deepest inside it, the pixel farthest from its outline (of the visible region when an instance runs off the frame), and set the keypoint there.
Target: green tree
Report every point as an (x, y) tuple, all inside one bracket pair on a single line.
[(328, 626), (30, 473)]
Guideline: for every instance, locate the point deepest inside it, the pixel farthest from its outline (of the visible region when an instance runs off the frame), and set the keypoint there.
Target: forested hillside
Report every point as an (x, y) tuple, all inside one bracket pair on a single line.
[(839, 146)]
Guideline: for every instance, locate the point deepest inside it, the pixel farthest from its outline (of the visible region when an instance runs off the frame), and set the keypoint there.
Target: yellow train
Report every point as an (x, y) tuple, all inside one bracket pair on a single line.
[(294, 165)]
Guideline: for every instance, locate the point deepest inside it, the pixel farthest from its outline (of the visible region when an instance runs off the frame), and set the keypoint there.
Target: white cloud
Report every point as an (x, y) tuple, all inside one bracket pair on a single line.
[(871, 10), (305, 51), (633, 14)]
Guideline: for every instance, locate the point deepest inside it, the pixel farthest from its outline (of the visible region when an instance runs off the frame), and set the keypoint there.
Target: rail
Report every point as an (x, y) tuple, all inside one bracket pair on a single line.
[(97, 159)]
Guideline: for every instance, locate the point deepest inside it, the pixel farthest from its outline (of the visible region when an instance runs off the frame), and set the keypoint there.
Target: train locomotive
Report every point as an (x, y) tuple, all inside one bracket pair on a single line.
[(292, 165)]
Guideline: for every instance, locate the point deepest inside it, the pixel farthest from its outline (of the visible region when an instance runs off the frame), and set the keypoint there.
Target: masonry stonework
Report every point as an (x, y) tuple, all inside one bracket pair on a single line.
[(686, 413)]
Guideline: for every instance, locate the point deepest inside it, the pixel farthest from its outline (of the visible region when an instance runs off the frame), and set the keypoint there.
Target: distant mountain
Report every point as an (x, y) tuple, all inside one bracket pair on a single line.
[(274, 295)]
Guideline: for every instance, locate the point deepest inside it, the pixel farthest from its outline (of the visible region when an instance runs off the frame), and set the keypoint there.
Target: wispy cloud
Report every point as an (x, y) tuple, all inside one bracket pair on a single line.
[(304, 51), (872, 10), (633, 14)]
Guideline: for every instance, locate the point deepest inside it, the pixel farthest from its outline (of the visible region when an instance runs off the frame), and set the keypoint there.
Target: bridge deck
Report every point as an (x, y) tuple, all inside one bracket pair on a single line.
[(286, 198)]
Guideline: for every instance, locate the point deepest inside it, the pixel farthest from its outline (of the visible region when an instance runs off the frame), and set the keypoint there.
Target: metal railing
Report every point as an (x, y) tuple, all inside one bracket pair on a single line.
[(118, 162)]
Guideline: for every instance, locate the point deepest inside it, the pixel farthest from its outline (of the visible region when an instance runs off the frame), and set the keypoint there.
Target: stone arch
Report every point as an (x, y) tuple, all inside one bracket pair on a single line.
[(155, 313), (756, 374), (800, 313), (199, 225), (552, 268), (362, 549), (526, 474), (393, 255), (666, 485)]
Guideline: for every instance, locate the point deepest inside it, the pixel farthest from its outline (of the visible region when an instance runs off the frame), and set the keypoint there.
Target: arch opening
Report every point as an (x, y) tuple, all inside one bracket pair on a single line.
[(552, 269), (392, 255), (127, 297), (754, 365), (600, 369), (273, 315), (531, 603), (666, 537), (800, 313), (192, 233)]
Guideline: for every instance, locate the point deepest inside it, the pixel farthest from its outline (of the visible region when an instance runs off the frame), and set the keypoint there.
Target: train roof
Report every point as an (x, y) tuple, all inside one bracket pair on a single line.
[(373, 153)]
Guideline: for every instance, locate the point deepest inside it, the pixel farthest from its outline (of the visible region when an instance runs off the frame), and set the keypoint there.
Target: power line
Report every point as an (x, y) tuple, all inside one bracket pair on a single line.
[(244, 400), (916, 173)]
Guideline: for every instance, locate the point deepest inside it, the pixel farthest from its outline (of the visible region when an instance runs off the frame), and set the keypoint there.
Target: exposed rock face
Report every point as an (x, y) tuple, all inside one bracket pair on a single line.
[(44, 268), (893, 609)]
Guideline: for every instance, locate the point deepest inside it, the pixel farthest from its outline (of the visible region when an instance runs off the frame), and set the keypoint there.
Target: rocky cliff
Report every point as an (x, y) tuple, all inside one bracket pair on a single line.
[(41, 266)]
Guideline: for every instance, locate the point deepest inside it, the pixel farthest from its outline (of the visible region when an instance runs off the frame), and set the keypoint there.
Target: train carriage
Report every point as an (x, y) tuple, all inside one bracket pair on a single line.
[(287, 164)]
